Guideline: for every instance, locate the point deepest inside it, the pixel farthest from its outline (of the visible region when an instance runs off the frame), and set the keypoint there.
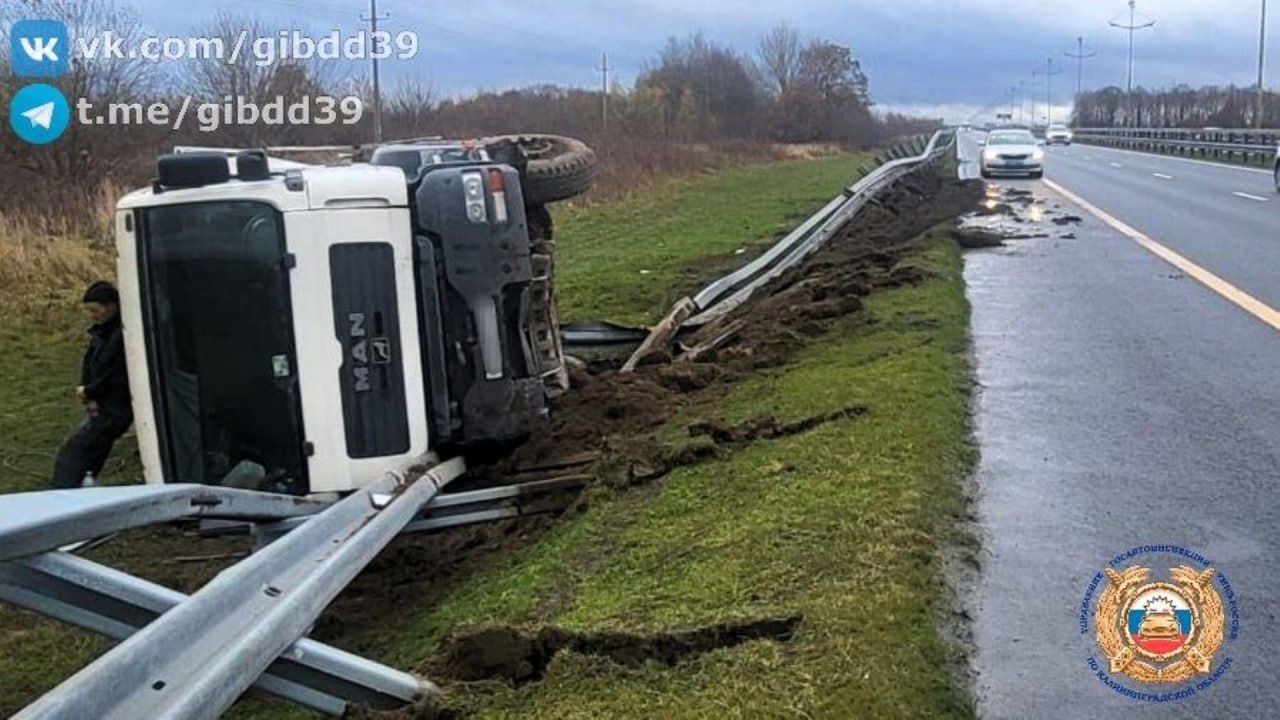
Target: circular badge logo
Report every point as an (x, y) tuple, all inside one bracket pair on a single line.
[(39, 113), (1160, 622)]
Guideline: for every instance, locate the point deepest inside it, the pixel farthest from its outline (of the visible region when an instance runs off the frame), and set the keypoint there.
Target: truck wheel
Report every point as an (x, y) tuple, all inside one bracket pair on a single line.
[(558, 167)]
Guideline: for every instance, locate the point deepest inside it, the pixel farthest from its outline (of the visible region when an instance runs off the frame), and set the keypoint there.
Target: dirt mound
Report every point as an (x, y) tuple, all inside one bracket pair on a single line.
[(506, 654)]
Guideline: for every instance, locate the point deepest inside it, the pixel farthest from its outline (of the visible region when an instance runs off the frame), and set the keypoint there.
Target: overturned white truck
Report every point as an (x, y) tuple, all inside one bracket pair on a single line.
[(305, 329)]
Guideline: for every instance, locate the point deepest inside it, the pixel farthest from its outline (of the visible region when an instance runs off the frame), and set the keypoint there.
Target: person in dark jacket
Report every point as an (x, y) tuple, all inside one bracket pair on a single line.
[(103, 390)]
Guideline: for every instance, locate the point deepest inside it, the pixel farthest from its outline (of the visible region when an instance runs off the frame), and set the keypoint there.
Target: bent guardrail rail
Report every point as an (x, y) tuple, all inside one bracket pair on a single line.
[(731, 291), (721, 297), (196, 659), (1257, 147)]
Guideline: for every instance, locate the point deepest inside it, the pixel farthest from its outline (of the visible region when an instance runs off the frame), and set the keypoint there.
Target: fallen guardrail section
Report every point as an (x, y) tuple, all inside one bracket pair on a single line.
[(192, 656), (1255, 147), (721, 297)]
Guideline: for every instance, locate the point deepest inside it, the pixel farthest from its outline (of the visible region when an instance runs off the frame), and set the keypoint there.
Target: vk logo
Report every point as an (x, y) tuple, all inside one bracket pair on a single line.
[(39, 48), (39, 113)]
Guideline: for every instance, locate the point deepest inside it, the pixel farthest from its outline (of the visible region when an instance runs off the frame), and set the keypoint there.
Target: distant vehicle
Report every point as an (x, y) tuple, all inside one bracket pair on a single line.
[(1012, 152), (1276, 170), (1058, 135)]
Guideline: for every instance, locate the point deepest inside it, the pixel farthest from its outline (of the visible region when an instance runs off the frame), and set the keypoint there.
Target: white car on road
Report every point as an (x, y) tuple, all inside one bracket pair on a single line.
[(1058, 135), (1012, 152)]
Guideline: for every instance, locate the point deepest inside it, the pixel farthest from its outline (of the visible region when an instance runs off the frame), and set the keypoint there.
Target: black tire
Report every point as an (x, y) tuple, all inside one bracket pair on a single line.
[(985, 175), (558, 168), (1277, 177)]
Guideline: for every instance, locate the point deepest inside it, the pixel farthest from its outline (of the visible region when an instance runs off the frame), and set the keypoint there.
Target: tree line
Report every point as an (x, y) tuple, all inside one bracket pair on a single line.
[(1181, 106), (790, 89)]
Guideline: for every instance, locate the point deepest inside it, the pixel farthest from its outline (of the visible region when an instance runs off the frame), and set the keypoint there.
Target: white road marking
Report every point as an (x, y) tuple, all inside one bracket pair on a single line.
[(1158, 156), (1231, 293), (1115, 165), (1162, 176), (1247, 196)]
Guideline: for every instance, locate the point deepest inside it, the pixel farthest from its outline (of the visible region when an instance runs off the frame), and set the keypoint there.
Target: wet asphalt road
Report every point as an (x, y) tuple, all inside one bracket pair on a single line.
[(1122, 403)]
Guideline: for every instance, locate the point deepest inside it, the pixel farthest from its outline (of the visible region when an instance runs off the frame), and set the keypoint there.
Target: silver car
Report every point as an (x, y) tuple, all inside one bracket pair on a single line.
[(1012, 152)]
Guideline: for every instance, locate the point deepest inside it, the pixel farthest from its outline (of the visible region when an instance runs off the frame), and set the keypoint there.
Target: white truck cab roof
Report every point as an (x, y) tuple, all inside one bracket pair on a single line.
[(302, 188)]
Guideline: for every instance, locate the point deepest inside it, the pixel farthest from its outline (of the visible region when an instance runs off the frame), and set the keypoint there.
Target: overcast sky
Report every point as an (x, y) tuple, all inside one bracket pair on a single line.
[(937, 56)]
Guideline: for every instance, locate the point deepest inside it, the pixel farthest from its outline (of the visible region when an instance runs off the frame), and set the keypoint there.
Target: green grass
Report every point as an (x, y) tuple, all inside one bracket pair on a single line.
[(841, 524), (630, 260)]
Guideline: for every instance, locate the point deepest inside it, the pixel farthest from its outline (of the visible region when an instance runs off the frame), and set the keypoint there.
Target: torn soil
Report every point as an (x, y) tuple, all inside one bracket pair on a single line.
[(502, 653), (614, 413), (626, 422)]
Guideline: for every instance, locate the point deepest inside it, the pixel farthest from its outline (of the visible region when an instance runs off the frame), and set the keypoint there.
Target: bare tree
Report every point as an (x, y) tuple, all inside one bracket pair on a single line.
[(780, 55), (70, 171), (215, 78), (409, 107)]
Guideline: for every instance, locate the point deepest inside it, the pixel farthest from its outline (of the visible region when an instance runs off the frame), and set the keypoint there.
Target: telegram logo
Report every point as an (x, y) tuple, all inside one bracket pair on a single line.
[(39, 114)]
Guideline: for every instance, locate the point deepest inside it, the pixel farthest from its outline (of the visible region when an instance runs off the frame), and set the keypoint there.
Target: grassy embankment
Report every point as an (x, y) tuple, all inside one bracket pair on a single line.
[(840, 524)]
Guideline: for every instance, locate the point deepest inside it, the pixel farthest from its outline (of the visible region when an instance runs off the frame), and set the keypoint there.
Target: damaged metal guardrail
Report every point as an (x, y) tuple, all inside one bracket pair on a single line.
[(195, 659), (729, 292), (191, 656), (1257, 147), (732, 290)]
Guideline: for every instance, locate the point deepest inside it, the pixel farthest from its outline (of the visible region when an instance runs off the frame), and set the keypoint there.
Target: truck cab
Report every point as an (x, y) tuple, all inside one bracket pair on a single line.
[(304, 329)]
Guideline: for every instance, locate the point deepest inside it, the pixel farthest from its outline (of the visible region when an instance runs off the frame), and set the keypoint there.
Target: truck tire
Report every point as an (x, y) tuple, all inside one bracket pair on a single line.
[(558, 167)]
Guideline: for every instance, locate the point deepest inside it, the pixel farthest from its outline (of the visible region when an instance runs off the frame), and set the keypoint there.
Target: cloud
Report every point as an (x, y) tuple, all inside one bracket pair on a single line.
[(945, 53)]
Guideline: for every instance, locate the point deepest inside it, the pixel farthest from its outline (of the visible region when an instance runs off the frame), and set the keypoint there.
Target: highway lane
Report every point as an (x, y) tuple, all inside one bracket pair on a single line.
[(1122, 403), (1224, 218)]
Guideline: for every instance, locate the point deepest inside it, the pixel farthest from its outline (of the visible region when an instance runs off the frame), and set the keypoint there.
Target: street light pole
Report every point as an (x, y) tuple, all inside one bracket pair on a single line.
[(1080, 56), (1132, 27), (1262, 64), (1022, 108), (1048, 74)]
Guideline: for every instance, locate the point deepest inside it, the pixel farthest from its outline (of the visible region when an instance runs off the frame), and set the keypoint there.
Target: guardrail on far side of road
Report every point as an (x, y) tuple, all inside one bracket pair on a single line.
[(1251, 147)]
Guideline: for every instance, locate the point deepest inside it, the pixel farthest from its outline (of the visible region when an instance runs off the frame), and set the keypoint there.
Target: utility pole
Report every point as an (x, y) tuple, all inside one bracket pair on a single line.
[(1132, 27), (1262, 64), (373, 19), (604, 71), (1080, 56)]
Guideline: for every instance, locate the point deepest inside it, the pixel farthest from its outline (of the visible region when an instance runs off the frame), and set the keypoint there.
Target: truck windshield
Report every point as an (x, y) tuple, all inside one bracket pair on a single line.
[(220, 345)]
